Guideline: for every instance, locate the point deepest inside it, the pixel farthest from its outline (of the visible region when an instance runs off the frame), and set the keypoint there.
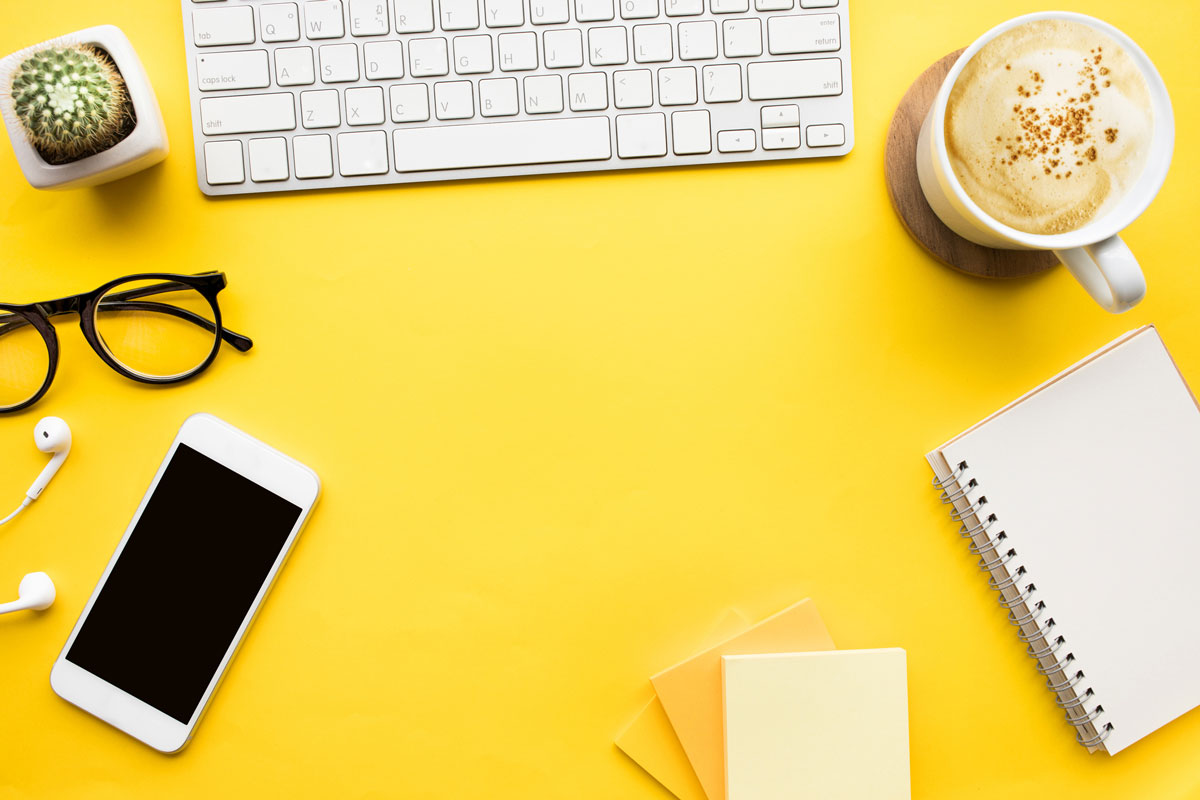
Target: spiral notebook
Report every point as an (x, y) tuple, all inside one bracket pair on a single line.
[(1079, 500)]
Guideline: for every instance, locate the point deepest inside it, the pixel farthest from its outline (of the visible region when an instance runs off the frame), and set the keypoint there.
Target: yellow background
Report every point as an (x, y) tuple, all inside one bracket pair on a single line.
[(563, 424)]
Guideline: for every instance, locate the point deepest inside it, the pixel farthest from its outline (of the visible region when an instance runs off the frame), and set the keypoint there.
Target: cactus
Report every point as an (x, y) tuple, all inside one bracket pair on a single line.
[(71, 101)]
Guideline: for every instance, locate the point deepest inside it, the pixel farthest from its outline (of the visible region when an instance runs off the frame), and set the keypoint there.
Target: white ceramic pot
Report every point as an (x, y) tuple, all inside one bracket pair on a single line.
[(144, 146)]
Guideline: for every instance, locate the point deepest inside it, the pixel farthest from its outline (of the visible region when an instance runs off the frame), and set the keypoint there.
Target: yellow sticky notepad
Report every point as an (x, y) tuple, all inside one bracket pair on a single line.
[(691, 692), (651, 743), (832, 726)]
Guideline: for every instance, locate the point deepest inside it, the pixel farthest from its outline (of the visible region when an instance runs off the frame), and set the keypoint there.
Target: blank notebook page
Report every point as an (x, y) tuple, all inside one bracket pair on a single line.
[(1094, 478)]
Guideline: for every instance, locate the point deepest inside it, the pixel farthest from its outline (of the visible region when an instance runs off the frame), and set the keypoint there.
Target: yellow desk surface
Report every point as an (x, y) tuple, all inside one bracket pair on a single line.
[(563, 425)]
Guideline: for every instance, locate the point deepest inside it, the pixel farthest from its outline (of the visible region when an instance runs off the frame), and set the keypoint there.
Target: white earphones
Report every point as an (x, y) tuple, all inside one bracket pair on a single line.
[(35, 593), (52, 435)]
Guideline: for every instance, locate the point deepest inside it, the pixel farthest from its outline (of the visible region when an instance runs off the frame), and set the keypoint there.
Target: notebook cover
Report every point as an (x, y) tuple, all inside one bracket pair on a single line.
[(651, 742), (1091, 477), (691, 691), (830, 725)]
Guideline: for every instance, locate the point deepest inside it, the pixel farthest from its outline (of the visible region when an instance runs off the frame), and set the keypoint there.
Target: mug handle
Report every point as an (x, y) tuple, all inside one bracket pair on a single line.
[(1109, 272)]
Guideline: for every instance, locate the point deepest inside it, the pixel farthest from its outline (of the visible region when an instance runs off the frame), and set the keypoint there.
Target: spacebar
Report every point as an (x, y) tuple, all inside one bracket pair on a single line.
[(502, 144)]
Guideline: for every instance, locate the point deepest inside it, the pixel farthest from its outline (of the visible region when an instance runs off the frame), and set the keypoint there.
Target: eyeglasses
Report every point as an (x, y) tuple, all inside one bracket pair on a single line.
[(153, 327)]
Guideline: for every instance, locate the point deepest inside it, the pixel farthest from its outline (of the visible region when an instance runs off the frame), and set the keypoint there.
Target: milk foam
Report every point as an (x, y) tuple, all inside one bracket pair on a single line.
[(1048, 126)]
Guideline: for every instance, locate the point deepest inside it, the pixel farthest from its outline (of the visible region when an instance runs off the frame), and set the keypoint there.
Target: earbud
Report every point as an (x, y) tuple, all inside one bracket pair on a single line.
[(52, 435), (35, 593)]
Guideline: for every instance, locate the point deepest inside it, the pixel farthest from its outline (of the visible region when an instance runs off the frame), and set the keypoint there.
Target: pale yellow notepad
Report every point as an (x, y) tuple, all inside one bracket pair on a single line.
[(651, 742), (827, 726), (691, 692)]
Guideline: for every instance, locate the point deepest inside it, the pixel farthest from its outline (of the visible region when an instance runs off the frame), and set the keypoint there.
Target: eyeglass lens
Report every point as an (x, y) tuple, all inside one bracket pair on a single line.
[(24, 359), (156, 328)]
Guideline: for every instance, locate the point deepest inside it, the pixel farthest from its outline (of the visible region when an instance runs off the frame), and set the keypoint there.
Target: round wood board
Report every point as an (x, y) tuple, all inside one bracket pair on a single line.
[(904, 188)]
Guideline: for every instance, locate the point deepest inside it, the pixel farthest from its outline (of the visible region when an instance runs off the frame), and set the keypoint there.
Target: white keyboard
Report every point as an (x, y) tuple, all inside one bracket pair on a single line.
[(326, 93)]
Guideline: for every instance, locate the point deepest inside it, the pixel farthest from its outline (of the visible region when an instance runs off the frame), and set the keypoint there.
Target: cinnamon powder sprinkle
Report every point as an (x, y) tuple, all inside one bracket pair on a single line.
[(1048, 131)]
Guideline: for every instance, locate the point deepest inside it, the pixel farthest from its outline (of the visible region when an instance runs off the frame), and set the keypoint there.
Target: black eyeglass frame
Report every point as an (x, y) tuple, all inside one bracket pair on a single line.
[(207, 284)]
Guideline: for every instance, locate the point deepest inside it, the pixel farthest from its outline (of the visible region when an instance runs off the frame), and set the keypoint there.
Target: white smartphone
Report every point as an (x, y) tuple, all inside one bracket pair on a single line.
[(185, 582)]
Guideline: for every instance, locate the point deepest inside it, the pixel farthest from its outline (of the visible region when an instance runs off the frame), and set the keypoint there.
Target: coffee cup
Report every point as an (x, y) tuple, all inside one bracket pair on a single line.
[(1096, 175)]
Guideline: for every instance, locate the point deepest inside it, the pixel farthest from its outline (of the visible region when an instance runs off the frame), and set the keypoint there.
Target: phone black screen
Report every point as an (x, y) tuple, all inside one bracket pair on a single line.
[(178, 594)]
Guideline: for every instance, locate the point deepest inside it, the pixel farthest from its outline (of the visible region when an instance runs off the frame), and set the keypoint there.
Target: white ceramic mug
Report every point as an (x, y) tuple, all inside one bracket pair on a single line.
[(1094, 254)]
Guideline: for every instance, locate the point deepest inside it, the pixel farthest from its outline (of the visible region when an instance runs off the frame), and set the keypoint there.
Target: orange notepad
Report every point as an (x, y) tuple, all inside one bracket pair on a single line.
[(650, 741), (691, 691)]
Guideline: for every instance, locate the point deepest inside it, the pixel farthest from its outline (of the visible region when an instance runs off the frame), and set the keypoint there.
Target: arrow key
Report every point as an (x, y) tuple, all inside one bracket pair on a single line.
[(740, 141), (781, 116), (825, 135)]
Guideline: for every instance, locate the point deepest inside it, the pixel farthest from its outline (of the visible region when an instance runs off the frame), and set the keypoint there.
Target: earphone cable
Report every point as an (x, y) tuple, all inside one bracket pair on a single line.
[(24, 504)]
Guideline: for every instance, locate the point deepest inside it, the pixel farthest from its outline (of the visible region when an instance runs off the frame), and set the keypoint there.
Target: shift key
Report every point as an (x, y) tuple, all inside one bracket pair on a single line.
[(778, 80), (253, 113)]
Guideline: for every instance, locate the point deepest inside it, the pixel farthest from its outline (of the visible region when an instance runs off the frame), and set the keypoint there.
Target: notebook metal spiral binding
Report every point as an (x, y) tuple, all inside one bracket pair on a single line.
[(1017, 594)]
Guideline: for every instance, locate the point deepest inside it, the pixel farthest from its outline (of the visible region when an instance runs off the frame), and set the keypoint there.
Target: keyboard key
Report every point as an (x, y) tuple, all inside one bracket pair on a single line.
[(339, 63), (677, 86), (294, 66), (323, 19), (548, 12), (825, 135), (498, 97), (268, 160), (697, 40), (737, 141), (563, 48), (427, 58), (217, 27), (278, 22), (641, 135), (632, 88), (781, 138), (593, 10), (248, 114), (414, 16), (638, 9), (684, 8), (246, 69), (588, 91), (691, 133), (503, 13), (472, 54), (223, 163), (773, 5), (364, 106), (453, 100), (780, 116), (730, 6), (409, 102), (384, 60), (743, 37), (722, 83), (776, 80), (543, 94), (320, 109), (368, 18), (811, 33), (607, 46), (363, 153), (651, 43), (518, 51), (459, 15), (818, 3), (545, 141), (314, 156)]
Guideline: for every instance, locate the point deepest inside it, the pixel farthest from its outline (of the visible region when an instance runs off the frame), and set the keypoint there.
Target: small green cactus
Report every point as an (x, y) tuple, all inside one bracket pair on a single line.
[(71, 101)]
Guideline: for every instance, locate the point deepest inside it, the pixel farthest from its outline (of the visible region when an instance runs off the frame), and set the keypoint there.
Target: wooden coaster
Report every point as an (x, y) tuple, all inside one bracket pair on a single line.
[(904, 188)]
